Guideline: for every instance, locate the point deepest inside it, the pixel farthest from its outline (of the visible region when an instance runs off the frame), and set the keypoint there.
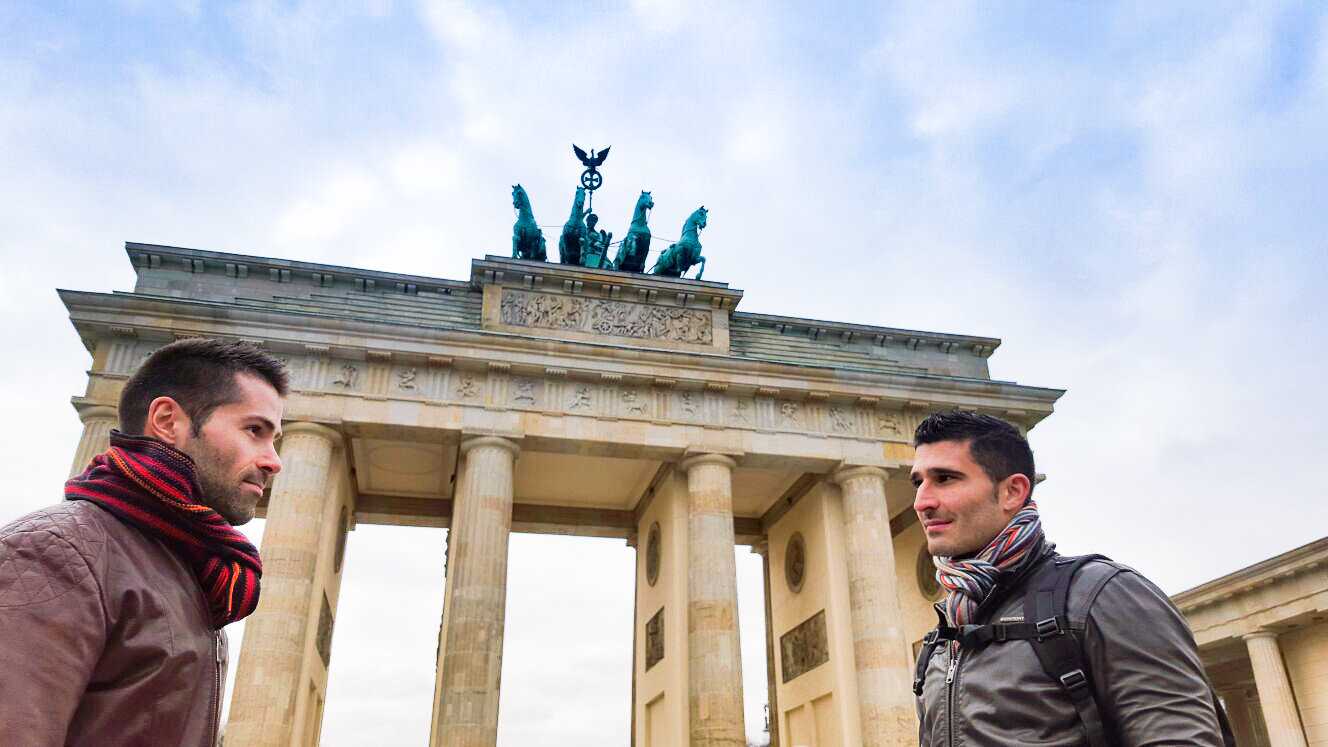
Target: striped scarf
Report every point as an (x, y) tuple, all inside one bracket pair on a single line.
[(152, 486), (968, 581)]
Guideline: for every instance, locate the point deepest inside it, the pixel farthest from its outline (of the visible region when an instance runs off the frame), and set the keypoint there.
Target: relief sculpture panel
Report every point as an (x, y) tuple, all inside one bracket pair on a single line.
[(805, 647), (606, 317)]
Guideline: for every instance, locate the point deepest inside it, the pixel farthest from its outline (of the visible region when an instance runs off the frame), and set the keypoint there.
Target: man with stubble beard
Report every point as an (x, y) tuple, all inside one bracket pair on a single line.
[(112, 602), (1034, 647)]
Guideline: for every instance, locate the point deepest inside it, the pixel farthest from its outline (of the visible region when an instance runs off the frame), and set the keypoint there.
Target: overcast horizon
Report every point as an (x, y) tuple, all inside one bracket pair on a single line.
[(1123, 193)]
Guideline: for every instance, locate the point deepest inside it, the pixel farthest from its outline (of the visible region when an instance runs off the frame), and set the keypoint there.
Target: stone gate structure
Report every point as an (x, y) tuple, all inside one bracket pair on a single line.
[(534, 397)]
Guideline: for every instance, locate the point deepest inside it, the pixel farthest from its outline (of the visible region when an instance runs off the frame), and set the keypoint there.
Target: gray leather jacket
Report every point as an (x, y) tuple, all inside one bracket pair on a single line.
[(1144, 667)]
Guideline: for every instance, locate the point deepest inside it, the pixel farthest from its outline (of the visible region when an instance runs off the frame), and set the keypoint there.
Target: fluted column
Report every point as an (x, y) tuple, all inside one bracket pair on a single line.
[(473, 647), (1238, 713), (762, 548), (98, 420), (714, 663), (885, 695), (267, 681), (1275, 696)]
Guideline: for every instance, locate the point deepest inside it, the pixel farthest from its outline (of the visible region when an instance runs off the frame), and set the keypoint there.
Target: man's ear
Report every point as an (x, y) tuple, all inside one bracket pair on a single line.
[(1013, 492), (167, 422)]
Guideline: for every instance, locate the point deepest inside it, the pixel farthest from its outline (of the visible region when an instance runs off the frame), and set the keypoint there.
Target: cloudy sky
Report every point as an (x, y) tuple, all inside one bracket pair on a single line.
[(1124, 193)]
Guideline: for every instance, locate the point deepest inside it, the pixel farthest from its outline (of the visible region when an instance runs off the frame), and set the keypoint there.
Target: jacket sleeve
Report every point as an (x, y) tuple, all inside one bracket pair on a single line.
[(52, 631), (1145, 666)]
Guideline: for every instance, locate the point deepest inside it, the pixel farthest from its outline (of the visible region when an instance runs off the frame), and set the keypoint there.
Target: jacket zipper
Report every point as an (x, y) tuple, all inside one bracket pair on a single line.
[(956, 654), (216, 693)]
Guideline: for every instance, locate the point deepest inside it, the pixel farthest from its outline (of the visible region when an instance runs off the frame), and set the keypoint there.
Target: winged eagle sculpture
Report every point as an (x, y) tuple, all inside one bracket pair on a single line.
[(591, 161)]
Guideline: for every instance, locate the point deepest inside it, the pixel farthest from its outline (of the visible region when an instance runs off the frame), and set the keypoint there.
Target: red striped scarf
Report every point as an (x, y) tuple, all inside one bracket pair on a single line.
[(153, 487)]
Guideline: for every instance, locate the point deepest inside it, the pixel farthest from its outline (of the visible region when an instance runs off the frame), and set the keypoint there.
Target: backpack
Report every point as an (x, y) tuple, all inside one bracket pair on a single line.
[(1058, 649)]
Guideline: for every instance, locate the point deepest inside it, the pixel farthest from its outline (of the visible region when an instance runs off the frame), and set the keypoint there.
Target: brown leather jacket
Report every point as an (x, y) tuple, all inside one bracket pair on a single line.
[(1142, 661), (105, 637)]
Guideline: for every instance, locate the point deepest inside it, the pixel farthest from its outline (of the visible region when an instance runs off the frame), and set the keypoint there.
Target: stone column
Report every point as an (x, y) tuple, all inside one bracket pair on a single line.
[(714, 656), (1238, 713), (636, 600), (98, 420), (1275, 697), (880, 653), (473, 648), (272, 658), (762, 548)]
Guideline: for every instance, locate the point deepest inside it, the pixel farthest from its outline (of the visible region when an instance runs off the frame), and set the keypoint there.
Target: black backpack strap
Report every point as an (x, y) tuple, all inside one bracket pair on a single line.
[(1057, 648), (934, 638)]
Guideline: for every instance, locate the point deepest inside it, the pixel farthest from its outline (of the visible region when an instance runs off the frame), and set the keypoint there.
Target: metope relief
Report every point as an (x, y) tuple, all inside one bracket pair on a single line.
[(468, 387), (890, 424), (580, 398), (523, 392), (406, 379), (634, 402), (606, 317), (347, 377)]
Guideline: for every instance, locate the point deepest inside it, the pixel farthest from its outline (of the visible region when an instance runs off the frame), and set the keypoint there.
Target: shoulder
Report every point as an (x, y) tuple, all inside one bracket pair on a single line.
[(50, 551), (1105, 589)]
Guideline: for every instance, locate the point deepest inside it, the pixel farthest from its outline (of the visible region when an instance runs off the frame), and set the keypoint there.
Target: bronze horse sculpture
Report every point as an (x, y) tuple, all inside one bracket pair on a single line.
[(634, 248), (527, 238), (575, 235), (680, 257)]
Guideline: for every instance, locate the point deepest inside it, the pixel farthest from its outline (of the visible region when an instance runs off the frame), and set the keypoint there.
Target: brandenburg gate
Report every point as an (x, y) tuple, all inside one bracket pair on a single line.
[(540, 397)]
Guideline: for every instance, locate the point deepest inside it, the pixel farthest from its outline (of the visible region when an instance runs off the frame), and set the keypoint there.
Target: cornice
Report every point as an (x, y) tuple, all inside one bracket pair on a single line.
[(157, 256), (847, 332), (1303, 559)]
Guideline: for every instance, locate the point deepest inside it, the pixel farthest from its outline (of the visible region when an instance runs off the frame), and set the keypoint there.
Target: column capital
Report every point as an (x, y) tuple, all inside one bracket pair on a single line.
[(313, 429), (846, 472), (1260, 634), (499, 441), (707, 458), (88, 412), (762, 547)]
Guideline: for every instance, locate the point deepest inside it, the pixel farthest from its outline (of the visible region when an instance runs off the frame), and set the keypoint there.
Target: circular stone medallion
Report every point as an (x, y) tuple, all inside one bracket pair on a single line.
[(795, 562), (652, 554)]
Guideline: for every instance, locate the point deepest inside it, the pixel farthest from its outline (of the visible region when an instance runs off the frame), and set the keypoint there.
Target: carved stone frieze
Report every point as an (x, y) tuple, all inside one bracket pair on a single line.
[(605, 317), (555, 392)]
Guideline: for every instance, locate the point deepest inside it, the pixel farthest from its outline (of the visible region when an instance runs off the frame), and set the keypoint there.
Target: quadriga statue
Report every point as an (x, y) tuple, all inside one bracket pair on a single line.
[(634, 248), (680, 257), (575, 234), (527, 238)]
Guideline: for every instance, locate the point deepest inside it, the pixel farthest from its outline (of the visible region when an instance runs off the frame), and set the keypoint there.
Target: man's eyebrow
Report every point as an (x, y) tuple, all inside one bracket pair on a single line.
[(268, 424), (915, 474)]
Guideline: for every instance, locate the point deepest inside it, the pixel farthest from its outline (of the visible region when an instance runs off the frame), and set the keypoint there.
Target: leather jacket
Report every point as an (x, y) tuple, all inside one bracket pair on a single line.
[(105, 637), (1143, 665)]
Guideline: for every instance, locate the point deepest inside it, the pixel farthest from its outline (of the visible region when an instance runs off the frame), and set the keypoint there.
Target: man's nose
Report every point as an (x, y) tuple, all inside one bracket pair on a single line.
[(923, 500), (270, 462)]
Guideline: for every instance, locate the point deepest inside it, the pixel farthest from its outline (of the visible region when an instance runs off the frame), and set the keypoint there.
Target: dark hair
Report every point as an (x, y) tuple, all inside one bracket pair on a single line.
[(199, 374), (996, 446)]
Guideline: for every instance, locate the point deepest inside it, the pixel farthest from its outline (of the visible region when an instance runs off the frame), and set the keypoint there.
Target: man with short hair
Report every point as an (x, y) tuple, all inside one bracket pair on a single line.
[(1033, 647), (112, 602)]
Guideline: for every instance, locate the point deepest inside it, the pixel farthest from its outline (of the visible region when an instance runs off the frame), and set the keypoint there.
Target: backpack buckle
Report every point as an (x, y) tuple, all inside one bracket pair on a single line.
[(931, 637), (1073, 680), (1047, 628)]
